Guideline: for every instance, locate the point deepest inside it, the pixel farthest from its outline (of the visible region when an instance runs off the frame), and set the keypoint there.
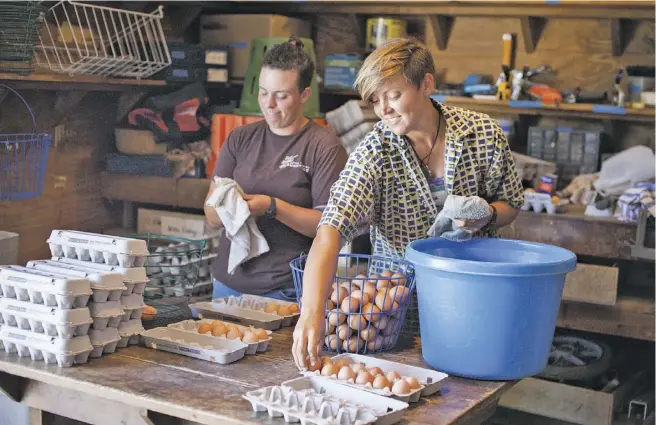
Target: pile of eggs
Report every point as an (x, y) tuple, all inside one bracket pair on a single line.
[(374, 377), (363, 312), (232, 331), (282, 309)]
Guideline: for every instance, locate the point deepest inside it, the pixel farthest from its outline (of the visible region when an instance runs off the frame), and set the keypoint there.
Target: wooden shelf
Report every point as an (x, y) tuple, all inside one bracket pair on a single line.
[(43, 81)]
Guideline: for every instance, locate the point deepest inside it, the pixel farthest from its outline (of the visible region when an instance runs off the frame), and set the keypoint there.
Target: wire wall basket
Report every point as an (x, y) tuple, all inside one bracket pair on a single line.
[(90, 39), (20, 23)]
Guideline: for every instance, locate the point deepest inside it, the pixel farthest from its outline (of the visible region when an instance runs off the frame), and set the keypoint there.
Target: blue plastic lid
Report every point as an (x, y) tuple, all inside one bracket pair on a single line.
[(491, 257)]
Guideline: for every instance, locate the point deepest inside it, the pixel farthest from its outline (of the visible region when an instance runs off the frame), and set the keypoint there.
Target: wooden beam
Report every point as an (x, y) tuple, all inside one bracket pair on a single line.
[(532, 28), (442, 26), (621, 32)]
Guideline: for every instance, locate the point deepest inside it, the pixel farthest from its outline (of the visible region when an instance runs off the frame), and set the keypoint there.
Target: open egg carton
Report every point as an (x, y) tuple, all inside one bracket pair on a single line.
[(97, 248), (539, 202), (46, 288), (50, 321), (203, 347), (319, 401), (50, 349), (105, 286), (428, 381), (195, 326), (134, 278)]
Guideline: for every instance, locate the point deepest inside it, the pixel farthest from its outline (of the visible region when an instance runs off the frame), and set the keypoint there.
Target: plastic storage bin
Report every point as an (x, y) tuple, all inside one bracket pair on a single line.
[(488, 307)]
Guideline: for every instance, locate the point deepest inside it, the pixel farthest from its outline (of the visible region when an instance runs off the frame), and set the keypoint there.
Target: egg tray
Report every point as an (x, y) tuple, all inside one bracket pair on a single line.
[(179, 266), (430, 380), (103, 341), (51, 321), (133, 307), (243, 316), (256, 303), (107, 314), (129, 332), (97, 248), (203, 347), (134, 278), (193, 325), (52, 350), (318, 401), (104, 286), (39, 287)]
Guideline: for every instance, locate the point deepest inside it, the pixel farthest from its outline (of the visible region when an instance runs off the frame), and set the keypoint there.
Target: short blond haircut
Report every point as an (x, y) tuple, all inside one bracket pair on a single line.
[(399, 56)]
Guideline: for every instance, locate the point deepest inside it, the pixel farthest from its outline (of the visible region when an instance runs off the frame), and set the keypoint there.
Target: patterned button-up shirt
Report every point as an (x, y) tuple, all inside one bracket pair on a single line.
[(383, 186)]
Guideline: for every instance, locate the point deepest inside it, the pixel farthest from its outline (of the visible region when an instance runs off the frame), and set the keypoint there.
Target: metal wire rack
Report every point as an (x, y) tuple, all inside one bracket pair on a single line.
[(97, 40), (20, 23)]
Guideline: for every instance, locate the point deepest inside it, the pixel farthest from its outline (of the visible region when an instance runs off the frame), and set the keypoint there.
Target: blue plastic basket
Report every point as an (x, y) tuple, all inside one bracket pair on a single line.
[(23, 160), (345, 331)]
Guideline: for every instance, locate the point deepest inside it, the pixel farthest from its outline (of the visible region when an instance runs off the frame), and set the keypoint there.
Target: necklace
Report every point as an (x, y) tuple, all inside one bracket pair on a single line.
[(424, 165)]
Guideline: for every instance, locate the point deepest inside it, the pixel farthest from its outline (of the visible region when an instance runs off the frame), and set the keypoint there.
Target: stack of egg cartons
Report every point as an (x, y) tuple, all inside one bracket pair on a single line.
[(45, 315), (119, 262)]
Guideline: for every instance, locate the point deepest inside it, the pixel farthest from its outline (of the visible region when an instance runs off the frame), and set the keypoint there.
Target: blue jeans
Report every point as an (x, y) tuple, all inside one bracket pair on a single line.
[(222, 291)]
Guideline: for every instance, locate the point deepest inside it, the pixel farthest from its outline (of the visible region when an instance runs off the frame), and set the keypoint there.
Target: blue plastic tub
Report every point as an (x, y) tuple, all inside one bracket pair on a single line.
[(488, 307)]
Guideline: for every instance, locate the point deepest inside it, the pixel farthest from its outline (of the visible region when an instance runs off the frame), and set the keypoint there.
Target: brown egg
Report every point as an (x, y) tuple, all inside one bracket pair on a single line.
[(217, 323), (387, 273), (357, 322), (331, 342), (393, 376), (369, 312), (331, 329), (398, 279), (340, 363), (401, 387), (362, 298), (368, 333), (338, 295), (399, 294), (383, 285), (283, 310), (358, 367), (345, 373), (364, 378), (313, 367), (330, 305), (347, 285), (336, 319), (375, 344), (334, 285), (381, 382), (353, 344), (205, 328), (329, 369), (261, 333), (383, 301), (294, 309), (413, 382), (234, 333), (382, 322), (271, 308), (344, 332), (359, 280), (375, 371), (219, 330), (250, 337), (373, 278), (350, 305), (326, 360), (369, 289)]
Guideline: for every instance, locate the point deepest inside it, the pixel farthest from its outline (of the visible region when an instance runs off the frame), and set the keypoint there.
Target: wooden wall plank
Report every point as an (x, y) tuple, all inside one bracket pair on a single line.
[(592, 284)]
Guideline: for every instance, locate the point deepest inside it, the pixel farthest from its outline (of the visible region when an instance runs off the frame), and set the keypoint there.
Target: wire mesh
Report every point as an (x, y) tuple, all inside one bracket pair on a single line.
[(368, 304), (167, 314), (20, 23), (90, 39)]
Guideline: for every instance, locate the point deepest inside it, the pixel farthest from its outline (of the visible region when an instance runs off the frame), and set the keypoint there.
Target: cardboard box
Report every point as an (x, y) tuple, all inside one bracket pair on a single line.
[(182, 225), (237, 31), (8, 248)]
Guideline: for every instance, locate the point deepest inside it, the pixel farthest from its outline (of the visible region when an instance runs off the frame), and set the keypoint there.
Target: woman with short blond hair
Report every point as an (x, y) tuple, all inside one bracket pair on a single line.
[(397, 179)]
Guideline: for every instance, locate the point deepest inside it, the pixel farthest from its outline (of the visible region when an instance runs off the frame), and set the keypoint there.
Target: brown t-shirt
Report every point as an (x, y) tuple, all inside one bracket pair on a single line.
[(299, 169)]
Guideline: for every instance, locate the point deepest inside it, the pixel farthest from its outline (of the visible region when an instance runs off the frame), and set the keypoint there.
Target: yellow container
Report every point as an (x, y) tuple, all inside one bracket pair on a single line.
[(380, 30)]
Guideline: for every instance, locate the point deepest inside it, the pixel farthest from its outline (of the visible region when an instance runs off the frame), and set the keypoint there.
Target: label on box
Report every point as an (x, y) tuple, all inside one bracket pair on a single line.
[(217, 75), (216, 57), (183, 228)]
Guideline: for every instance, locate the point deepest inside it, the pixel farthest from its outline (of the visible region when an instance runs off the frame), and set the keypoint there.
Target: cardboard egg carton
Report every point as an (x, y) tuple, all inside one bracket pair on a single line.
[(257, 303), (51, 321), (97, 248), (203, 347), (40, 287), (134, 278), (51, 350), (244, 316), (133, 307), (129, 332), (315, 400), (105, 286), (103, 341), (193, 325), (430, 380), (107, 314), (539, 202)]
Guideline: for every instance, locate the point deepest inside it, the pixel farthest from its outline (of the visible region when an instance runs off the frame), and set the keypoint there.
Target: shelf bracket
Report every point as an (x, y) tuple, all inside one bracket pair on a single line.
[(442, 26), (621, 33), (532, 28)]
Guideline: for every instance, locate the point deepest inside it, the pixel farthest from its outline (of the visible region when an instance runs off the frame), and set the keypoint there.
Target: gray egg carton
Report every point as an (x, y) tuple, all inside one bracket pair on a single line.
[(257, 303), (52, 350), (133, 306), (129, 332), (51, 321), (203, 347), (103, 341), (193, 325), (244, 316), (107, 314), (39, 287), (318, 401), (134, 278), (97, 248), (105, 286)]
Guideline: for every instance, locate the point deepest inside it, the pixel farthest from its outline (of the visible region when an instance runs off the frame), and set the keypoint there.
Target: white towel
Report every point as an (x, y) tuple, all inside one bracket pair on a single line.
[(246, 240), (456, 208)]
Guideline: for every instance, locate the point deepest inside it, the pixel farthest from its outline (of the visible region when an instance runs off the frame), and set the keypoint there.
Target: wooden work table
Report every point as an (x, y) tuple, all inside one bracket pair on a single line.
[(140, 385)]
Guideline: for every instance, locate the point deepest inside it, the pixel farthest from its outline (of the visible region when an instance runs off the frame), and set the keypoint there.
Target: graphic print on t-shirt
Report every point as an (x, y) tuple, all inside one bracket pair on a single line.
[(290, 161)]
